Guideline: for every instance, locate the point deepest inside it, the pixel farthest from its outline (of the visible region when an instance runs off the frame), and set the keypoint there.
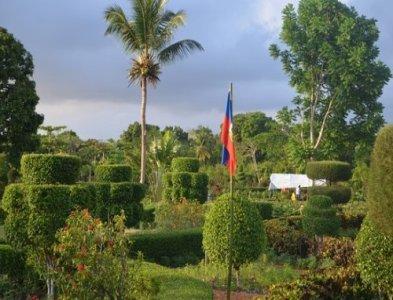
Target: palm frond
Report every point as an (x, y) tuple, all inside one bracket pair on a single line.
[(144, 67), (179, 49)]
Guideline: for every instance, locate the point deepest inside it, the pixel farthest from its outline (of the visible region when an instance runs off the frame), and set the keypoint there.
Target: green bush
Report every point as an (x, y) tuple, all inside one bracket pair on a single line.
[(181, 185), (49, 207), (50, 169), (319, 217), (11, 261), (353, 214), (121, 193), (284, 237), (265, 209), (248, 238), (380, 192), (138, 192), (83, 196), (112, 173), (339, 194), (3, 167), (199, 182), (374, 253), (185, 164), (179, 215), (341, 251), (167, 247), (332, 171), (102, 198), (285, 209)]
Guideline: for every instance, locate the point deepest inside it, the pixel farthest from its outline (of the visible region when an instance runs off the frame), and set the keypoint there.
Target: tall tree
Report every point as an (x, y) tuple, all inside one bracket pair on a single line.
[(148, 34), (332, 62), (18, 120)]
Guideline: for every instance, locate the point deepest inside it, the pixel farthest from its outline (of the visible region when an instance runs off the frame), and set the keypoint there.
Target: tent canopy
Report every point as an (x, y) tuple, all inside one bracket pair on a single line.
[(281, 181)]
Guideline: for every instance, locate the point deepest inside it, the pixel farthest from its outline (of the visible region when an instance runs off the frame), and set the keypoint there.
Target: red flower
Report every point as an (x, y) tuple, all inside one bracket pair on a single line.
[(81, 267), (35, 298)]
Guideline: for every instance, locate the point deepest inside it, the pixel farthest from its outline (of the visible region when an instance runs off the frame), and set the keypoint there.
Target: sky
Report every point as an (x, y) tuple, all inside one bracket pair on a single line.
[(81, 74)]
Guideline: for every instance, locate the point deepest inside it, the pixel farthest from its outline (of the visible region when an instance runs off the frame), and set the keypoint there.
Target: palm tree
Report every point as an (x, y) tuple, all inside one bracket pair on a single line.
[(148, 35)]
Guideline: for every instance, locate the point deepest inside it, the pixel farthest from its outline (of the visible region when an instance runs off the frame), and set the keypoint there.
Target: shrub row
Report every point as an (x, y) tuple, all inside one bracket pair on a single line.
[(113, 173), (339, 194), (332, 171), (50, 169), (169, 248), (187, 185)]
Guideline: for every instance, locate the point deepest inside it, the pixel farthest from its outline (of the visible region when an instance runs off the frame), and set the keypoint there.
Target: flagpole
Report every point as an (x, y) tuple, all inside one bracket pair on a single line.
[(230, 231)]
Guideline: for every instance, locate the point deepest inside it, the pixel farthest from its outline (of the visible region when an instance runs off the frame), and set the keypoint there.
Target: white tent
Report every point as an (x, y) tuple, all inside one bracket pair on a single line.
[(281, 181)]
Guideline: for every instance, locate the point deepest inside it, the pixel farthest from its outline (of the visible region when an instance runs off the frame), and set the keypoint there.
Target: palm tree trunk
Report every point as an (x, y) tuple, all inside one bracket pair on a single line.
[(143, 130)]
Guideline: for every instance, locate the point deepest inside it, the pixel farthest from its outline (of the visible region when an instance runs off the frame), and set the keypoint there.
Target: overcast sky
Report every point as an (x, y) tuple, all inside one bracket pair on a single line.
[(81, 75)]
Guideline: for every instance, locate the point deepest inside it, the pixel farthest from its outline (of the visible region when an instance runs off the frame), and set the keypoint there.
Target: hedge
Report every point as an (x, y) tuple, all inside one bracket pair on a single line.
[(3, 167), (11, 261), (50, 169), (83, 196), (339, 194), (165, 247), (185, 164), (199, 191), (181, 185), (121, 193), (333, 171), (113, 173), (138, 192)]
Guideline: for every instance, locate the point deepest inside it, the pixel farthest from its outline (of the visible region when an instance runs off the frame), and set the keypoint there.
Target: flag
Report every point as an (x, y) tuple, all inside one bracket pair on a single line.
[(228, 147)]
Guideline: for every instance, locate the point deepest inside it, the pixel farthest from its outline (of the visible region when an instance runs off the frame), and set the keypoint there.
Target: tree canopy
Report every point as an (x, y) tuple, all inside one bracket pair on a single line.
[(18, 99)]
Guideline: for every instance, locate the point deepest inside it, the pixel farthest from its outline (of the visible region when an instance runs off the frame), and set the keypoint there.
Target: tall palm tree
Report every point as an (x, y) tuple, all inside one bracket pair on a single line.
[(148, 36)]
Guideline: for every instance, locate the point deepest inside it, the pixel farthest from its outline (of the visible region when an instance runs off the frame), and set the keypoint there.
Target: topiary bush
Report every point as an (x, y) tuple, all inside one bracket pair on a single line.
[(185, 164), (112, 173), (374, 258), (181, 185), (319, 217), (198, 191), (284, 237), (50, 169), (265, 209), (353, 214), (380, 192), (332, 171), (248, 239), (339, 194)]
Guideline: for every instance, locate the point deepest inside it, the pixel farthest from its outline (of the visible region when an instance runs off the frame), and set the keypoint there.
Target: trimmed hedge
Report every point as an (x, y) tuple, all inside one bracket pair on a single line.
[(332, 171), (49, 206), (181, 185), (11, 261), (339, 194), (168, 248), (319, 217), (113, 173), (265, 209), (121, 193), (83, 196), (50, 169), (199, 191), (138, 192), (3, 167), (185, 164)]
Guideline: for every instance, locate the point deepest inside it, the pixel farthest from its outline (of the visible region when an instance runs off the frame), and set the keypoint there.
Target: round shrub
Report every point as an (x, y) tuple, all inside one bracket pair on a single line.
[(284, 237), (332, 171), (374, 253), (248, 238), (185, 164), (319, 217), (50, 169), (380, 191), (339, 194), (112, 173)]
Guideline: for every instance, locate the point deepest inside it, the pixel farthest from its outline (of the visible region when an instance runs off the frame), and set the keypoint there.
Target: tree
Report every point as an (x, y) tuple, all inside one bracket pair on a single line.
[(203, 141), (18, 120), (332, 63), (148, 35)]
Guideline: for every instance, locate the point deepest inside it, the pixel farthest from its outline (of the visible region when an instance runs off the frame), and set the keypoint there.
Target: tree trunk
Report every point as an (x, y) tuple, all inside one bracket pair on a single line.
[(143, 130)]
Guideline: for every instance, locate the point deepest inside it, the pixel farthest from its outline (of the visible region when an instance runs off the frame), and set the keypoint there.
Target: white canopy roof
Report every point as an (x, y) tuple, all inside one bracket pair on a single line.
[(281, 180)]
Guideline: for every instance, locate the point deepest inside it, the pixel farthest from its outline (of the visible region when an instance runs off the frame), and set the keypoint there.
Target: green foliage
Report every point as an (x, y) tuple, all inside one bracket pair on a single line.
[(336, 283), (112, 173), (49, 206), (121, 193), (285, 236), (83, 195), (3, 168), (198, 191), (138, 192), (374, 252), (50, 169), (353, 214), (18, 120), (179, 215), (90, 260), (181, 185), (339, 194), (17, 215), (332, 171), (265, 209), (380, 192), (319, 217), (11, 261), (102, 198), (172, 248), (285, 209), (248, 238), (185, 164)]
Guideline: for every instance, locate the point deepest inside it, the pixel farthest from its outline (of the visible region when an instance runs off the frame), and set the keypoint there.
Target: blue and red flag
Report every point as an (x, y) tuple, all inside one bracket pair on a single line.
[(228, 147)]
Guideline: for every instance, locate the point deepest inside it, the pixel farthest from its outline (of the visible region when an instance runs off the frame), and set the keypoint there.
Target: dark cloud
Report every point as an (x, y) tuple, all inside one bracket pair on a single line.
[(81, 74)]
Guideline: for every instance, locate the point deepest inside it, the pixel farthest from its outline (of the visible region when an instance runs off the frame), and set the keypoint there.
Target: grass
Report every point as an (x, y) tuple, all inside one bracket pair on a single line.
[(174, 284)]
